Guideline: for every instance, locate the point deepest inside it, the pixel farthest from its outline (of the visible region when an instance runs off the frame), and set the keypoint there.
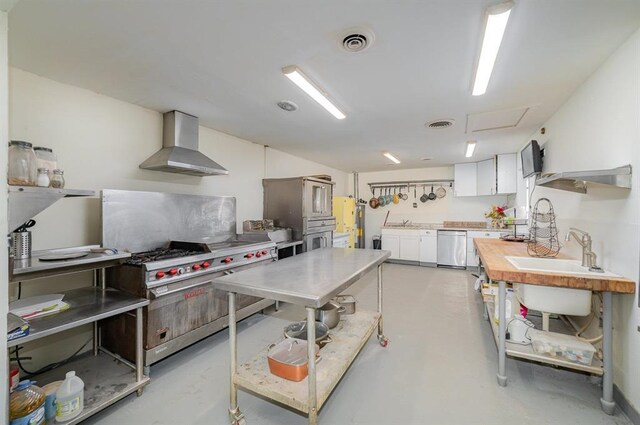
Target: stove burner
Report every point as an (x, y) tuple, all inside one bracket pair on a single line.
[(159, 254)]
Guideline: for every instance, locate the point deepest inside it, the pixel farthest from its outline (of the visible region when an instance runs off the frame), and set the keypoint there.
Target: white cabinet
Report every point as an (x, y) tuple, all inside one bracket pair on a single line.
[(507, 173), (404, 244), (495, 176), (465, 177), (391, 243), (472, 256), (410, 248), (486, 177), (428, 247)]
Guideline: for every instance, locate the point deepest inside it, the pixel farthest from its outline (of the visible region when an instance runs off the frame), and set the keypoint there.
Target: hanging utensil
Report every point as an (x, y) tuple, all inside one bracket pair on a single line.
[(389, 196), (414, 192), (373, 202), (424, 197), (381, 199), (432, 194), (441, 192), (405, 196), (395, 198)]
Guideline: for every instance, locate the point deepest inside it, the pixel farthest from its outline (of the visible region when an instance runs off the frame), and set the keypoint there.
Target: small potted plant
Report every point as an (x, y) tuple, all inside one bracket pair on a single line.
[(496, 217)]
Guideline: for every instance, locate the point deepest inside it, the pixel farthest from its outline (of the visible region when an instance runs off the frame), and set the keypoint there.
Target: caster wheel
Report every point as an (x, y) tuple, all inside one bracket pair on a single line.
[(139, 392), (384, 341)]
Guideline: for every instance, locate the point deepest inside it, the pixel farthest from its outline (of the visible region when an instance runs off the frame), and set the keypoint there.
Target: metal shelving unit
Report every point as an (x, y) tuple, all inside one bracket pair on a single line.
[(107, 377)]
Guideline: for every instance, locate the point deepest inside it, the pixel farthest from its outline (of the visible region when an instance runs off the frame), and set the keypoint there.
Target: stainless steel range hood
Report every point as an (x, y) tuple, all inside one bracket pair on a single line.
[(179, 153), (577, 181)]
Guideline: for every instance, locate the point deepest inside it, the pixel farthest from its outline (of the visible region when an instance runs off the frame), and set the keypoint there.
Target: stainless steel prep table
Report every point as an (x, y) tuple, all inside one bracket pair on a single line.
[(310, 280)]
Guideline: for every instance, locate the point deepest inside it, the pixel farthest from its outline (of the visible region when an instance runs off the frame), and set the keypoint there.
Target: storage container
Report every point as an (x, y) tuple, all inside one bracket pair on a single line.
[(348, 302), (22, 167), (50, 401), (57, 180), (288, 359), (560, 345), (45, 158), (69, 398), (26, 406)]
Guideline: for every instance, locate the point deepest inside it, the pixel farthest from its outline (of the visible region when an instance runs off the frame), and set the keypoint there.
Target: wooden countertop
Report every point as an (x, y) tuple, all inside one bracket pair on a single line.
[(493, 253)]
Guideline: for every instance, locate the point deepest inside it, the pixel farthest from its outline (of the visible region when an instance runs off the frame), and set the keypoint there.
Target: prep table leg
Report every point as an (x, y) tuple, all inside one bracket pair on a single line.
[(384, 341), (607, 403), (311, 354), (502, 349), (139, 361), (235, 415)]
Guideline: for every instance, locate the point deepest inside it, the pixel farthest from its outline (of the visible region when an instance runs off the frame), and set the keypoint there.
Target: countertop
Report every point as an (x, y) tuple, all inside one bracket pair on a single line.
[(310, 279), (493, 253), (435, 226)]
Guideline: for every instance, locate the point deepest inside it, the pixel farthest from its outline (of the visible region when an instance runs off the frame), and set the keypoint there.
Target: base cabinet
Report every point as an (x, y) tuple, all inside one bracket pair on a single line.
[(428, 247), (404, 244), (391, 243), (472, 255)]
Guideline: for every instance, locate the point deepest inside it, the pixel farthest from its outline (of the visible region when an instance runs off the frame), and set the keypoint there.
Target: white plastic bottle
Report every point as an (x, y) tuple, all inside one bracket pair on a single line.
[(512, 306), (69, 398)]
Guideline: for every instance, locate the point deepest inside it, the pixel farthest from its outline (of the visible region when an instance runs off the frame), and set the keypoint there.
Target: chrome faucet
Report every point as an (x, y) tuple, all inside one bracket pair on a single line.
[(584, 239)]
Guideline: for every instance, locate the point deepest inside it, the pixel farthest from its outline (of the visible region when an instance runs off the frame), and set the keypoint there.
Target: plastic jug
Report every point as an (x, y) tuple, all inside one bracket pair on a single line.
[(512, 306), (27, 404), (69, 398)]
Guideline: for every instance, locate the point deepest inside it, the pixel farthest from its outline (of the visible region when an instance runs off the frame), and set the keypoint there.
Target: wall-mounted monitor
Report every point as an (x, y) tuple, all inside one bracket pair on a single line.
[(531, 159)]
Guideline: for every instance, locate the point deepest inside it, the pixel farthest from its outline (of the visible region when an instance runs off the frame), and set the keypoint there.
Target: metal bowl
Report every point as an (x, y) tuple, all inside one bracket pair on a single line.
[(298, 330)]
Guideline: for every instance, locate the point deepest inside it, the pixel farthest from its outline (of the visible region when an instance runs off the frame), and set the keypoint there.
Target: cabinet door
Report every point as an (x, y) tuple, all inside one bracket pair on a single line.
[(428, 249), (507, 173), (465, 179), (486, 177), (391, 243), (410, 248)]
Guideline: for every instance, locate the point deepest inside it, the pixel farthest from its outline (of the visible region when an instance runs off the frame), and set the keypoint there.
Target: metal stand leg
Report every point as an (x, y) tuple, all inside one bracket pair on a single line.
[(311, 353), (384, 341), (607, 403), (236, 417), (139, 360), (96, 331), (502, 349), (485, 312)]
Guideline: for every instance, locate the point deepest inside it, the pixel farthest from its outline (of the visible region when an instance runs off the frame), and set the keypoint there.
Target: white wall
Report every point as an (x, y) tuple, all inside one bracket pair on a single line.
[(4, 138), (448, 208), (598, 128), (100, 142)]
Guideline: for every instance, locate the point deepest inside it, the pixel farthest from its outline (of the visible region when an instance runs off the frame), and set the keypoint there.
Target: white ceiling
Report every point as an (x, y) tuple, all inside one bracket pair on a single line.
[(222, 60)]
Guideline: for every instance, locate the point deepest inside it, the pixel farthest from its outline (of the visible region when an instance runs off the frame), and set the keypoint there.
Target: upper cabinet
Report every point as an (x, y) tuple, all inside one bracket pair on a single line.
[(465, 177), (495, 176)]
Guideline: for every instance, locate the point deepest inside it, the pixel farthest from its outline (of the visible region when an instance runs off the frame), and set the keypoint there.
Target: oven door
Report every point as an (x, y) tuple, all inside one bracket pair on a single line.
[(318, 240), (317, 199)]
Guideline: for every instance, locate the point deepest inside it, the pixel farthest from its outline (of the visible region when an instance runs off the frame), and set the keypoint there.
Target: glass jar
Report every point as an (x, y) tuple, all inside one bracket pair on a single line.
[(43, 177), (57, 180), (22, 170), (46, 159)]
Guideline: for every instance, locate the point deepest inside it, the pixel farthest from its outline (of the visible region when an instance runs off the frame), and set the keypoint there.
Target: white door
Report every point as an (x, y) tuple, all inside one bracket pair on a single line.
[(410, 248), (428, 249), (465, 179), (486, 177), (391, 243), (507, 173)]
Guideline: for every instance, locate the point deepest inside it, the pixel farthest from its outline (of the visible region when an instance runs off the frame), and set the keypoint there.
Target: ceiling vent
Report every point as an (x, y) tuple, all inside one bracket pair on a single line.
[(287, 105), (439, 124), (356, 40)]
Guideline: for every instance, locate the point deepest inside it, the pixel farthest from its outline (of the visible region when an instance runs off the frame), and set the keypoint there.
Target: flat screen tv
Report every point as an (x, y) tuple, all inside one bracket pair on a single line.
[(531, 159)]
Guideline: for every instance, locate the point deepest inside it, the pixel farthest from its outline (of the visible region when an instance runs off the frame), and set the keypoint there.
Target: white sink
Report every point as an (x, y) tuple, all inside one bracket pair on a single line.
[(573, 302), (555, 265)]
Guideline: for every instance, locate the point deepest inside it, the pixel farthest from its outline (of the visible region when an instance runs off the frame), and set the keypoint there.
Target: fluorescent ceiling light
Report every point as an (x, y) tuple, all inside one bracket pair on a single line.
[(496, 23), (471, 146), (392, 158), (294, 73)]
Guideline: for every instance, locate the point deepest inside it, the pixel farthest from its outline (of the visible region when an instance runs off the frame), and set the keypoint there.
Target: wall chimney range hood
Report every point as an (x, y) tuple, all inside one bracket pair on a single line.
[(179, 153), (577, 181)]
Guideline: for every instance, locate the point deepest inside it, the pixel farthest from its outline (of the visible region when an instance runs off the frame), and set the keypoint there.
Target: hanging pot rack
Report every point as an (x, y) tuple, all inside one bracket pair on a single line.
[(409, 184)]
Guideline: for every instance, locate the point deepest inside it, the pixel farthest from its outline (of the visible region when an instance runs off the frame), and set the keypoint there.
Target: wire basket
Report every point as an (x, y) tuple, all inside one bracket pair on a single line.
[(543, 234)]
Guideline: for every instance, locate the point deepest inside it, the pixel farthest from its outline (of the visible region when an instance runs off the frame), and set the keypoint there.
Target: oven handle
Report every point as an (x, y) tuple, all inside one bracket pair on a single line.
[(157, 294)]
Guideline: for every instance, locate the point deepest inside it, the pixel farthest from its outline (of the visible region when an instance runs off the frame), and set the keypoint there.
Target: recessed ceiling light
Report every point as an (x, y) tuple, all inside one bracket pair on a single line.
[(287, 105), (426, 159), (392, 158), (495, 25), (294, 73), (471, 146)]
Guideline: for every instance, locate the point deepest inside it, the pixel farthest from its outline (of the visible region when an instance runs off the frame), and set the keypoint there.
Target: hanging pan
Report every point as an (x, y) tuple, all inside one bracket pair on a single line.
[(373, 202), (441, 192), (432, 194)]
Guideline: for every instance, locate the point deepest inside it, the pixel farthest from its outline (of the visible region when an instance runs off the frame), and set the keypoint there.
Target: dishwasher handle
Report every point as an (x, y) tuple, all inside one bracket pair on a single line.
[(451, 233)]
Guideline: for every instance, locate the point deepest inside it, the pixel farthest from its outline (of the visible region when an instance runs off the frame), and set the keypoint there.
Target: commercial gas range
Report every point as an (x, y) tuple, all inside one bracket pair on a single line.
[(180, 243), (184, 307)]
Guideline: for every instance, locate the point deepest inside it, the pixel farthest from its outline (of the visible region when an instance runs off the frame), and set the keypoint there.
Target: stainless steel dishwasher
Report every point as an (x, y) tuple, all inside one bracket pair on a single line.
[(452, 248)]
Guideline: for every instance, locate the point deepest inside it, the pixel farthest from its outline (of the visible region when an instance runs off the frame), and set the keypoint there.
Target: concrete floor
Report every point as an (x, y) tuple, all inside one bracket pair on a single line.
[(440, 368)]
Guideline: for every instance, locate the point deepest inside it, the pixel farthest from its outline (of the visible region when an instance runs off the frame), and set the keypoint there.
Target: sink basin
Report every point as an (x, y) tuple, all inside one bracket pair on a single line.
[(555, 265), (573, 302)]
